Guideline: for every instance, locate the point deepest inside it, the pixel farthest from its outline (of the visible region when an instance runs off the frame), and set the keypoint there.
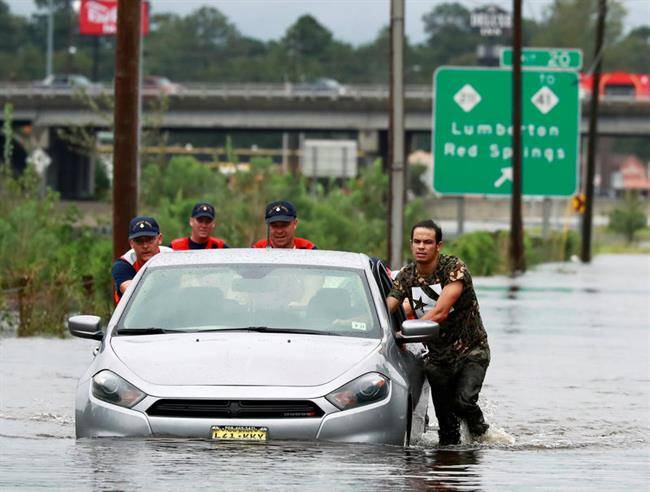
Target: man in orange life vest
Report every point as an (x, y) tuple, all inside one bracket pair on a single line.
[(202, 222), (280, 217), (144, 239)]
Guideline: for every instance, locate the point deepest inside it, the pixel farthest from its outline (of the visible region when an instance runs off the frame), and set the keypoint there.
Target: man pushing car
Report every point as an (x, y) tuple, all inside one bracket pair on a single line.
[(439, 288)]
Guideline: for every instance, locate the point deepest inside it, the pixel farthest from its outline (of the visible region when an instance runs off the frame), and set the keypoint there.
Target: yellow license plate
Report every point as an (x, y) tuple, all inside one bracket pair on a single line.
[(239, 433)]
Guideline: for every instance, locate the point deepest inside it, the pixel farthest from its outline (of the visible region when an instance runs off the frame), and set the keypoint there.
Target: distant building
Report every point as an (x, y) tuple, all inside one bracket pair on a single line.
[(423, 158), (632, 175)]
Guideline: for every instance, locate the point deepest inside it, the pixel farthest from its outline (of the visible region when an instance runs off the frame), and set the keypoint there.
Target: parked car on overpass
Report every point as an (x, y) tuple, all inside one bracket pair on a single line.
[(322, 86), (160, 84), (65, 81)]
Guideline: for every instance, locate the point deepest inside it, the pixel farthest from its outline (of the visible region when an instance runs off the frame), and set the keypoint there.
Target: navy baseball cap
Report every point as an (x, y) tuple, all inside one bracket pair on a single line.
[(143, 226), (280, 211), (203, 209)]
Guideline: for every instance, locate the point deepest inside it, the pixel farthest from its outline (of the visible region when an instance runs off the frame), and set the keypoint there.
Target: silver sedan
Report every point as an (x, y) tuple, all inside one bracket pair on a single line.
[(254, 345)]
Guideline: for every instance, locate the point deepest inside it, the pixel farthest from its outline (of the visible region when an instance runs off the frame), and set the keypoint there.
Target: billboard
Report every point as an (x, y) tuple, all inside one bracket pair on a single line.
[(99, 17)]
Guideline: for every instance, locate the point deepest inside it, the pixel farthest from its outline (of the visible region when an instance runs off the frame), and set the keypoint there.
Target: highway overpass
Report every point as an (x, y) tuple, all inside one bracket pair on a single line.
[(359, 112), (276, 107)]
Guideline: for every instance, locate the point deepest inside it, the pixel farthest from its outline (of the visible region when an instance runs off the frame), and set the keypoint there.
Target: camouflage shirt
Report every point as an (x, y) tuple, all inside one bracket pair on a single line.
[(462, 333)]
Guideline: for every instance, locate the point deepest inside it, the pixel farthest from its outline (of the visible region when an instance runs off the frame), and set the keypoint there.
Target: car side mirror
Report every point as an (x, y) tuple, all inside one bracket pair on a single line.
[(86, 326), (417, 330)]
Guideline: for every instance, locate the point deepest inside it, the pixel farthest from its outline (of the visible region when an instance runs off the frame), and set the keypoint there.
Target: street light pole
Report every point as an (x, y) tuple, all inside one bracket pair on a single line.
[(396, 135)]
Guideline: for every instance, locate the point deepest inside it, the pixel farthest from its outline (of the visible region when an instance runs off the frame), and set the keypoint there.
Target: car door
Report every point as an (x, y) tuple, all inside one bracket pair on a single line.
[(411, 351), (411, 359)]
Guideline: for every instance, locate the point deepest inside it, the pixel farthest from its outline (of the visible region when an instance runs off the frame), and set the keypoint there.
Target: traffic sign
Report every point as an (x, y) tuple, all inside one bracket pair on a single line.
[(472, 134), (551, 58), (40, 159)]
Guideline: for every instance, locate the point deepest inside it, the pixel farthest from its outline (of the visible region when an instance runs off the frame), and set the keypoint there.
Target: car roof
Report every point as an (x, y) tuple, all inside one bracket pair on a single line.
[(269, 256)]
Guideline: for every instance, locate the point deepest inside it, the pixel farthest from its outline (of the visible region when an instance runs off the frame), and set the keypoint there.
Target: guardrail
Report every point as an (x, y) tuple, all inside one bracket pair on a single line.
[(249, 91), (198, 89)]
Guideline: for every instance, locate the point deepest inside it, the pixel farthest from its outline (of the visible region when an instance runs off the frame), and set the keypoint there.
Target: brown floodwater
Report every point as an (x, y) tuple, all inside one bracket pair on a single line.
[(567, 396)]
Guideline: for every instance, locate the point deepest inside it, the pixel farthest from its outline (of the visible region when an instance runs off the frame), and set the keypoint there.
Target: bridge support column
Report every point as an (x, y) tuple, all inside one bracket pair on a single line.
[(369, 143), (72, 173)]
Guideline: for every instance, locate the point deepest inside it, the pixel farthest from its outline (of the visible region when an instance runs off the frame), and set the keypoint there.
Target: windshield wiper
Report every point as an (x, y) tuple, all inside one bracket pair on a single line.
[(268, 329), (152, 330)]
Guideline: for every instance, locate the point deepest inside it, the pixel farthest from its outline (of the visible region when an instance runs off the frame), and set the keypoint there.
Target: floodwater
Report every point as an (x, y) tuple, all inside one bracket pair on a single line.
[(567, 396)]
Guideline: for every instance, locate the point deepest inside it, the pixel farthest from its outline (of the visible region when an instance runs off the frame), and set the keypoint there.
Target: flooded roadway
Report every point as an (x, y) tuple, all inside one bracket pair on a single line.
[(569, 384)]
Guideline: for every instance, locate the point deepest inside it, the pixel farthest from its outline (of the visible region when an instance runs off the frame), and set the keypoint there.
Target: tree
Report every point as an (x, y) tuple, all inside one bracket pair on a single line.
[(572, 24), (632, 53), (186, 48), (306, 43), (628, 217), (449, 33)]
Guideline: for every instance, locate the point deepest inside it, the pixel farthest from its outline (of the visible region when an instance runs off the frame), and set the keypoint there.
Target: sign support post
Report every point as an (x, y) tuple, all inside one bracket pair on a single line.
[(517, 261)]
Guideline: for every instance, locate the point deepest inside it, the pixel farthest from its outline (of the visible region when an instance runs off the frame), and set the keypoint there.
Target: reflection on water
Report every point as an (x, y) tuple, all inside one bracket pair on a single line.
[(569, 379), (125, 464)]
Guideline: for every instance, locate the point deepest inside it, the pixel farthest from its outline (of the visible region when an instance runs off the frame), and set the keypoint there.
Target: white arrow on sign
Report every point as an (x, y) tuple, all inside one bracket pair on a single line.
[(506, 175)]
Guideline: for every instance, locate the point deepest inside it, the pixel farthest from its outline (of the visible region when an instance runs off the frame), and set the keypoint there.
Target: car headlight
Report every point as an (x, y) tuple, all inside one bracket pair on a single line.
[(366, 389), (109, 387)]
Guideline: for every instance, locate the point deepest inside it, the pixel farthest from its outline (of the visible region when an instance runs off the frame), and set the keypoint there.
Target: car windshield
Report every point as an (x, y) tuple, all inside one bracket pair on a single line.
[(270, 298)]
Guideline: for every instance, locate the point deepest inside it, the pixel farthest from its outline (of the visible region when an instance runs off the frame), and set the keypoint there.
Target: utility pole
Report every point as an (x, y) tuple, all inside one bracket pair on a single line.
[(517, 261), (585, 251), (125, 152), (396, 135)]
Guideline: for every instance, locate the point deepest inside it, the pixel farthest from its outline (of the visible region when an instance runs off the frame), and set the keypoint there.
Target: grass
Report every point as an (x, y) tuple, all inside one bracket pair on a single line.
[(605, 241)]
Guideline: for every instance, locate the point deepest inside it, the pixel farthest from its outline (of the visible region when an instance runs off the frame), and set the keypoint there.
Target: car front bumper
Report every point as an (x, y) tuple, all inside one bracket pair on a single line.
[(383, 422)]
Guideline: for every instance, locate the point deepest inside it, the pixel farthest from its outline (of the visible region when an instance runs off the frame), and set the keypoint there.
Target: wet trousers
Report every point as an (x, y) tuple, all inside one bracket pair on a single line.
[(454, 391)]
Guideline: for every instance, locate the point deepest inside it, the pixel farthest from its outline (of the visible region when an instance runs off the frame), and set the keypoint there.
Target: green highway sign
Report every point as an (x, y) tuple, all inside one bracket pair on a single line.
[(550, 58), (472, 132)]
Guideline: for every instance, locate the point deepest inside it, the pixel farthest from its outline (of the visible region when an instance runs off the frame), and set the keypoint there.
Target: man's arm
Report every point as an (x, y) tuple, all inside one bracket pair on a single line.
[(124, 285), (448, 297), (392, 303), (123, 274)]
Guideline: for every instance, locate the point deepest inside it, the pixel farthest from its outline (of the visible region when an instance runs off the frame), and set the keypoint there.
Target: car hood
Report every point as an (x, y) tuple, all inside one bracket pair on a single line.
[(240, 358)]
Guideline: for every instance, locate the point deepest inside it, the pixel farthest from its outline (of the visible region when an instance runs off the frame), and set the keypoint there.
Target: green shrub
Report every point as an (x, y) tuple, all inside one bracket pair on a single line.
[(479, 250), (628, 217)]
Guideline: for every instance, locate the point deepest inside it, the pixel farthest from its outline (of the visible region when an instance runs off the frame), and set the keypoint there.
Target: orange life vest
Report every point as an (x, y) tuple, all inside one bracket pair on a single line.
[(298, 243), (130, 258), (183, 243)]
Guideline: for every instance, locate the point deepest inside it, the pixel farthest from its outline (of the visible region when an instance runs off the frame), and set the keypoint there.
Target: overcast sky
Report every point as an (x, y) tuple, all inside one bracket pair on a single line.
[(354, 21)]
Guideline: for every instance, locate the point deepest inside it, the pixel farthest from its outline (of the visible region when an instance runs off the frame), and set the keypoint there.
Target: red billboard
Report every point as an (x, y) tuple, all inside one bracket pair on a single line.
[(99, 17)]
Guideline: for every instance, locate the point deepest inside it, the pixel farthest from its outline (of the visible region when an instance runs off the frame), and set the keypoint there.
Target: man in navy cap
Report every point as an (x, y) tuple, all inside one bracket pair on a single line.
[(144, 239), (202, 222), (281, 220)]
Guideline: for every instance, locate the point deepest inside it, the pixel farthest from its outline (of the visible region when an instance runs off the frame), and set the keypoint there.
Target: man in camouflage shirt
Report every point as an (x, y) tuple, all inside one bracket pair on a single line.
[(439, 288)]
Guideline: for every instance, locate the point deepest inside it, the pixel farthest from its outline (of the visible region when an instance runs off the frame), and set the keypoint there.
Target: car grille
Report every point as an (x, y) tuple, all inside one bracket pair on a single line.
[(235, 409)]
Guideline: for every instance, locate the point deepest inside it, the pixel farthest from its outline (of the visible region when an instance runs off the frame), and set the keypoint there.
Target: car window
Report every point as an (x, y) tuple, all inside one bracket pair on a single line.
[(334, 301)]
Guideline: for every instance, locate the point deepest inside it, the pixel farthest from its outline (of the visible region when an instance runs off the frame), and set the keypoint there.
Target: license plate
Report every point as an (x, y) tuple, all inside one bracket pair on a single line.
[(239, 433)]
